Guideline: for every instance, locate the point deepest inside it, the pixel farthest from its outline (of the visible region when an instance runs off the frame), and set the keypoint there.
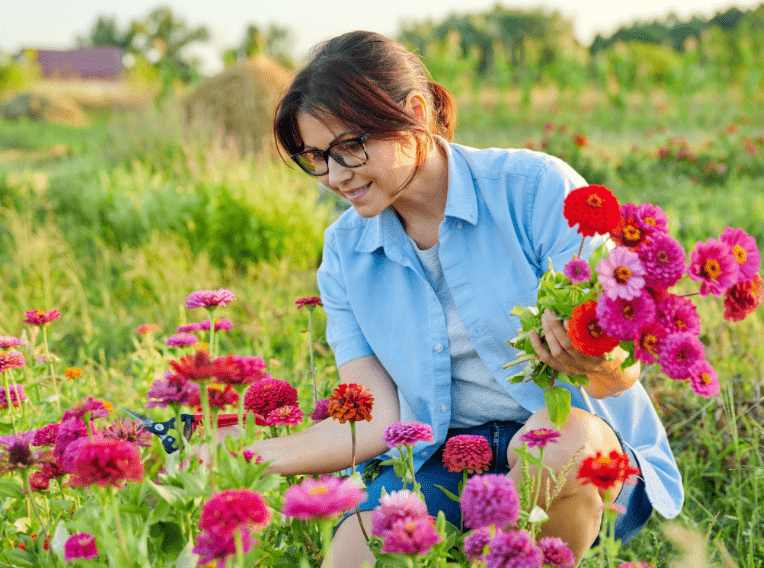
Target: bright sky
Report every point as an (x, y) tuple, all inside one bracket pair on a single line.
[(56, 23)]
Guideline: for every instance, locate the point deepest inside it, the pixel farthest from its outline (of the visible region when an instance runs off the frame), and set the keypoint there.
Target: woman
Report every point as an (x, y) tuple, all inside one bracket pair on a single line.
[(418, 280)]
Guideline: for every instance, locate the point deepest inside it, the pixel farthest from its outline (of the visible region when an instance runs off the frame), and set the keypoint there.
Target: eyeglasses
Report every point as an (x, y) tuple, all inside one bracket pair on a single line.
[(350, 153)]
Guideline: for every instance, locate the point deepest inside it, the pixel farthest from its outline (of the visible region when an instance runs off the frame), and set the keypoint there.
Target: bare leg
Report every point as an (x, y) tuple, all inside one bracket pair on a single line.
[(349, 548)]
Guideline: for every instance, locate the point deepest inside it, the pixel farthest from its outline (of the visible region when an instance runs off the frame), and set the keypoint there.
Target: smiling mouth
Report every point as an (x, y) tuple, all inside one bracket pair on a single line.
[(356, 192)]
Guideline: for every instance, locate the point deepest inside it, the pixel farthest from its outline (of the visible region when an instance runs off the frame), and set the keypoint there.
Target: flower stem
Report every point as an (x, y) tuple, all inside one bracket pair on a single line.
[(581, 248), (212, 333), (212, 450), (410, 454), (352, 448), (31, 500), (312, 363), (240, 413), (326, 540), (118, 524), (534, 526), (239, 548), (50, 366), (11, 410)]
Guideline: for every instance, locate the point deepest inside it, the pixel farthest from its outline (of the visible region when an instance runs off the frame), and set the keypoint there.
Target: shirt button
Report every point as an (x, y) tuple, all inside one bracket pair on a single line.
[(444, 408), (459, 226), (439, 348), (425, 453)]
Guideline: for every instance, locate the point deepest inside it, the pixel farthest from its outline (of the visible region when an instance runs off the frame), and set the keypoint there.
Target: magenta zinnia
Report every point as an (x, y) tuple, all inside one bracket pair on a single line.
[(703, 379), (15, 453), (648, 341), (321, 411), (14, 397), (321, 498), (679, 352), (622, 318), (744, 250), (513, 549), (234, 509), (182, 340), (209, 298), (221, 324), (475, 543), (41, 317), (713, 265), (215, 548), (467, 451), (577, 270), (489, 500), (396, 506), (556, 552), (621, 274), (411, 537), (677, 313), (191, 327), (81, 545), (11, 360), (164, 392), (287, 415), (540, 437), (664, 260), (107, 461), (406, 434), (310, 301)]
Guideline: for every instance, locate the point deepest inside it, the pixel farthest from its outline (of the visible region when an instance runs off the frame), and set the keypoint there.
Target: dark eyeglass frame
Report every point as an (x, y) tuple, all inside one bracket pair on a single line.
[(337, 157)]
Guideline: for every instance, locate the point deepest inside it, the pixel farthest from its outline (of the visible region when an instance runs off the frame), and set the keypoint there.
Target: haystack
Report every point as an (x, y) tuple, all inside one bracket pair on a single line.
[(35, 106), (241, 101)]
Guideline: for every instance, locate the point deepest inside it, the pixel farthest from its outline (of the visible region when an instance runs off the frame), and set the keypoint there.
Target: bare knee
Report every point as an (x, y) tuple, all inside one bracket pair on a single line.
[(349, 546)]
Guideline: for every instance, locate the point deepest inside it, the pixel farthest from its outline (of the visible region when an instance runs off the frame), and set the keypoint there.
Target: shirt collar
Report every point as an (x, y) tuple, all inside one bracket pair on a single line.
[(385, 229)]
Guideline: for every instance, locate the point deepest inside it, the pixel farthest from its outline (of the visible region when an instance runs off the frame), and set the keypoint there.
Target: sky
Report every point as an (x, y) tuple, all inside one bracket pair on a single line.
[(55, 24)]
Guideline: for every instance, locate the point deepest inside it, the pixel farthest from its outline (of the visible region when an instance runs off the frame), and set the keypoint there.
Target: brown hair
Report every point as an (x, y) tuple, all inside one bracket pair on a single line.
[(359, 78)]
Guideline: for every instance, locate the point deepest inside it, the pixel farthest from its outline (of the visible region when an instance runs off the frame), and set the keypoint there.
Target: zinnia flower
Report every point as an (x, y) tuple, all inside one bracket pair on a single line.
[(703, 379), (182, 340), (197, 367), (411, 537), (129, 431), (70, 433), (15, 453), (744, 250), (93, 406), (475, 543), (310, 301), (287, 415), (350, 403), (46, 435), (146, 328), (467, 451), (585, 332), (80, 545), (713, 265), (406, 434), (556, 552), (191, 327), (269, 394), (679, 352), (38, 481), (106, 461), (489, 500), (513, 549), (41, 317), (221, 324), (321, 498), (72, 373), (638, 564), (209, 299), (321, 411), (677, 313), (7, 341), (664, 260), (215, 548), (13, 397), (621, 318), (163, 393), (651, 218), (647, 343), (594, 208), (577, 270), (621, 274), (604, 471), (241, 370), (11, 360), (742, 299), (220, 396), (396, 506), (234, 509), (540, 437)]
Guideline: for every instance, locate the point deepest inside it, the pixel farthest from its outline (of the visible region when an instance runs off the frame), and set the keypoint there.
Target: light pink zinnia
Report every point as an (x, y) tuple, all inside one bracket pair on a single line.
[(703, 379), (489, 500), (713, 265), (744, 250), (467, 451), (395, 506), (679, 352), (209, 299), (622, 318), (11, 360), (664, 260), (406, 434), (577, 270), (234, 509), (540, 437), (412, 537), (556, 552), (513, 549), (321, 498), (677, 313), (182, 340), (80, 545), (647, 343), (621, 274), (287, 415), (7, 341), (41, 317)]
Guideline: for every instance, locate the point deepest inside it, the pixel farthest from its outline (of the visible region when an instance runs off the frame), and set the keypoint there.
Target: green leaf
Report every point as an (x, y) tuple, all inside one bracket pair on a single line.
[(557, 403), (10, 489), (16, 557), (448, 493), (170, 536)]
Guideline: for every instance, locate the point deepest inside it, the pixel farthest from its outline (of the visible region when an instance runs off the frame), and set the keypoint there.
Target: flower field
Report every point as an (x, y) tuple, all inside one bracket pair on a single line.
[(151, 268)]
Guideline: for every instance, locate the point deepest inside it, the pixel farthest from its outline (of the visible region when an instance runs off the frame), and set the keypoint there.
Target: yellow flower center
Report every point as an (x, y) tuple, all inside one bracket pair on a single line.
[(595, 330), (739, 253), (628, 311), (216, 387), (662, 257), (318, 490), (705, 378), (622, 274), (711, 269), (632, 233), (649, 221), (649, 342)]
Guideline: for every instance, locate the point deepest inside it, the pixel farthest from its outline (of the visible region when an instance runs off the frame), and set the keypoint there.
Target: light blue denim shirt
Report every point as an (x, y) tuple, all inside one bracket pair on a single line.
[(503, 222)]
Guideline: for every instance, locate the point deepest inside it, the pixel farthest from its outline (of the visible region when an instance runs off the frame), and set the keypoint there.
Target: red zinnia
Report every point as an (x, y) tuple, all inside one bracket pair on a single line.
[(585, 332), (594, 208), (350, 402), (742, 299), (107, 461), (310, 301), (269, 394), (197, 367), (605, 471), (467, 451)]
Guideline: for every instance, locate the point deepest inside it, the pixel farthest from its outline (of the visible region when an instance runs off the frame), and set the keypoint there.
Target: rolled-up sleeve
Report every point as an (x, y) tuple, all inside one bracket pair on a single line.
[(343, 333)]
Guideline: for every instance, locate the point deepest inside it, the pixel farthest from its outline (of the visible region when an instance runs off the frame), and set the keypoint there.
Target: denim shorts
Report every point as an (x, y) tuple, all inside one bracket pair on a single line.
[(632, 498)]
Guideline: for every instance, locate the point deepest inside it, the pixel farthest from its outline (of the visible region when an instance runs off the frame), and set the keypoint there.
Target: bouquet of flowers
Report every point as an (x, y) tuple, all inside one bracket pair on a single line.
[(622, 295)]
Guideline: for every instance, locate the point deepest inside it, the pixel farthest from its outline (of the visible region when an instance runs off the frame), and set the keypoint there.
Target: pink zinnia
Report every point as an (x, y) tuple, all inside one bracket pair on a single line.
[(95, 407), (287, 415), (621, 274), (11, 360), (81, 545), (129, 431), (322, 498), (647, 343), (234, 509), (475, 543), (406, 434), (209, 299), (679, 353), (321, 411), (677, 313), (310, 301), (664, 260), (248, 370), (38, 481), (215, 548), (744, 250), (70, 433), (396, 506), (713, 265), (164, 392), (191, 327), (489, 500), (411, 537), (540, 437), (221, 324), (703, 379), (651, 218), (556, 552), (622, 318), (513, 549), (638, 564), (182, 340), (467, 451), (41, 317), (268, 394), (107, 462), (577, 270), (14, 397), (7, 341), (46, 435)]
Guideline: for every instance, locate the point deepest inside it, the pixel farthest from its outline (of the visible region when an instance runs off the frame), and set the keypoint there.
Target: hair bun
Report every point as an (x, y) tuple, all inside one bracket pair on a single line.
[(445, 109)]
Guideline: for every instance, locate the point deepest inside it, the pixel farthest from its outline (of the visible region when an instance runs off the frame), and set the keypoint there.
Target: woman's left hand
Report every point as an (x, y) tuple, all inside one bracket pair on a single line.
[(606, 378)]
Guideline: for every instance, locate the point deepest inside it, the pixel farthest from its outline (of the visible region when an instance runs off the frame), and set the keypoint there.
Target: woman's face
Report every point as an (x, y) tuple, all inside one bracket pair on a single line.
[(369, 188)]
